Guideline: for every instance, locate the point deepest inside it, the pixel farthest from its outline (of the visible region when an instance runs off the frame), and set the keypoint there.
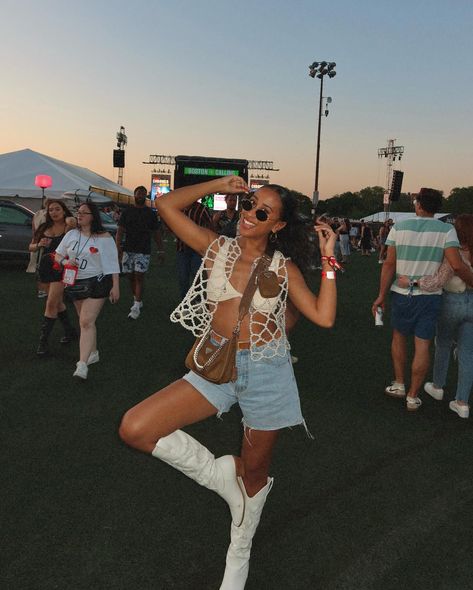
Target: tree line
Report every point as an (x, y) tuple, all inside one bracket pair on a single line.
[(369, 200)]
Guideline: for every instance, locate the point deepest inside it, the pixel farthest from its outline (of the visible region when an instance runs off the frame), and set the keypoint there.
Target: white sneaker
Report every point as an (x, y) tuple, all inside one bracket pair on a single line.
[(93, 357), (435, 392), (413, 403), (81, 370), (395, 390), (462, 411), (135, 310)]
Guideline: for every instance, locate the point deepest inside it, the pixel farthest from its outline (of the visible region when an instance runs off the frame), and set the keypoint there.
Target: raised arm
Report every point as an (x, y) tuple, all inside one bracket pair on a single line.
[(321, 309), (171, 209)]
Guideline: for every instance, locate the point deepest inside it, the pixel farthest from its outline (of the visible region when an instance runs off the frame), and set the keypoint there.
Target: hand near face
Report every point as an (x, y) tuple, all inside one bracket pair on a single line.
[(233, 185), (71, 222), (327, 238)]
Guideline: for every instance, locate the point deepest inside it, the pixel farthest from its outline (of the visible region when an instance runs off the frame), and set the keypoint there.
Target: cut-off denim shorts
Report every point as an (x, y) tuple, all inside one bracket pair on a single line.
[(265, 390)]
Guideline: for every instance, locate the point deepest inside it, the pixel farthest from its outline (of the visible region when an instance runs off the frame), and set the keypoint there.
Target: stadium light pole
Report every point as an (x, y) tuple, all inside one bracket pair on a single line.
[(319, 70)]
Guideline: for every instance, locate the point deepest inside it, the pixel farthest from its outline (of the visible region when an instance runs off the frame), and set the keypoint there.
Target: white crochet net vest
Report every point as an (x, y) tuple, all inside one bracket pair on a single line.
[(266, 316)]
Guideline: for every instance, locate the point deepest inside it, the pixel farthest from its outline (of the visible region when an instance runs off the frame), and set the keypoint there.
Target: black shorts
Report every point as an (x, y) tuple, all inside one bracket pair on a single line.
[(94, 288), (46, 271)]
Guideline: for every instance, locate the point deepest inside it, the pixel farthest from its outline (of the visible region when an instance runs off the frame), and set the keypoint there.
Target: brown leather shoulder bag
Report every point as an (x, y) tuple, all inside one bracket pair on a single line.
[(216, 361)]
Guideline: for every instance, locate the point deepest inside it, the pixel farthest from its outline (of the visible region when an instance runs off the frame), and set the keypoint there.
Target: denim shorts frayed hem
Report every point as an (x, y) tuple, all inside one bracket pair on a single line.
[(265, 390)]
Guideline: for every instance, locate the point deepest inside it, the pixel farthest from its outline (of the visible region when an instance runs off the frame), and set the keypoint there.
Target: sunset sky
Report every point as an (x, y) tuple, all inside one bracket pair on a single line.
[(221, 78)]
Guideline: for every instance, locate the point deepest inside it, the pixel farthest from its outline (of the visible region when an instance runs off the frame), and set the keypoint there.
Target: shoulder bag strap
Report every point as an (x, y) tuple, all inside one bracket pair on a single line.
[(263, 264)]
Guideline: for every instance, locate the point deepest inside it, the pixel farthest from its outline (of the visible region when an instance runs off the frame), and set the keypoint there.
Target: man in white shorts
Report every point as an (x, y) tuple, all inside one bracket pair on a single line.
[(138, 223)]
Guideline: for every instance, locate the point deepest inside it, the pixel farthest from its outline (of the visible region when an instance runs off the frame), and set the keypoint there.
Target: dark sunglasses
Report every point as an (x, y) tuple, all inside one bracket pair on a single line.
[(248, 205)]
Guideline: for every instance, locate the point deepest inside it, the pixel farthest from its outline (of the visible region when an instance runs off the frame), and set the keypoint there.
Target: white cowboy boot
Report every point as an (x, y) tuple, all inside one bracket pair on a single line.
[(186, 454), (238, 554)]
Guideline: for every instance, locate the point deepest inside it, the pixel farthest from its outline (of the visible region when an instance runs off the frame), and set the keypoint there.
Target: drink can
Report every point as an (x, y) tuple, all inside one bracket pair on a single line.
[(378, 318)]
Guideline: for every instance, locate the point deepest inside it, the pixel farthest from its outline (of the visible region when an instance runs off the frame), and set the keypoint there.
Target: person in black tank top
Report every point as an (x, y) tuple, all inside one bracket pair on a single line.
[(45, 241)]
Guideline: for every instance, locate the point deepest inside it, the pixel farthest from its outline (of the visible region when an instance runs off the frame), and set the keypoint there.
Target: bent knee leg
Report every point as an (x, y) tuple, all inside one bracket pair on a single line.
[(133, 432)]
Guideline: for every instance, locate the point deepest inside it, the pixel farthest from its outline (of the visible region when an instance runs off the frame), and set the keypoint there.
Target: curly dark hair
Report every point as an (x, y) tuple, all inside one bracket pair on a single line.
[(293, 239), (39, 233)]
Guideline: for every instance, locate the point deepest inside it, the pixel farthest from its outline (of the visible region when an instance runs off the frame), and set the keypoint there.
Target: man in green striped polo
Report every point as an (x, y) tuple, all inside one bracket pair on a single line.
[(416, 247)]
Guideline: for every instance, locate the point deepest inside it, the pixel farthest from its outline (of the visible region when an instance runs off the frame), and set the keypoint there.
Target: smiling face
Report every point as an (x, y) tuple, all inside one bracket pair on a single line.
[(270, 202)]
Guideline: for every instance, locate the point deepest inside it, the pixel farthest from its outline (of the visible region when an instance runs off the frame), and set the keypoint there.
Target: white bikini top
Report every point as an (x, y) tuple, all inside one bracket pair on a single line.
[(212, 285), (220, 288)]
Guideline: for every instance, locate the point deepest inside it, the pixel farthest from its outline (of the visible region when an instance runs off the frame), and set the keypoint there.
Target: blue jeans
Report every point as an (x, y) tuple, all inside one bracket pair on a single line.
[(455, 325), (188, 263)]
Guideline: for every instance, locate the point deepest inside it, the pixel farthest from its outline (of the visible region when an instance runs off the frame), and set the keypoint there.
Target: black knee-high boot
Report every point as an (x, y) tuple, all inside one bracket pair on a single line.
[(46, 328), (70, 333)]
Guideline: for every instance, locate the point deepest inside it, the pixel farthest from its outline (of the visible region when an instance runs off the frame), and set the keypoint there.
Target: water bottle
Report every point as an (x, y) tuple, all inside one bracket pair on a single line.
[(378, 318)]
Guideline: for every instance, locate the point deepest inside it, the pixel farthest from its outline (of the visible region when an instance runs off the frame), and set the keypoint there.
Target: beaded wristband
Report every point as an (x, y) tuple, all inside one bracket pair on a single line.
[(333, 262)]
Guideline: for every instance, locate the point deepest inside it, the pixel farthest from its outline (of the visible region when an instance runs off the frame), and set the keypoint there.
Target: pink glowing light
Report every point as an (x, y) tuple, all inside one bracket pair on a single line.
[(43, 181)]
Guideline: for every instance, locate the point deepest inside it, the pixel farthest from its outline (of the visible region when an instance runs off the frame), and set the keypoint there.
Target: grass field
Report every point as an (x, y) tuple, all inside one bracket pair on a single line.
[(382, 499)]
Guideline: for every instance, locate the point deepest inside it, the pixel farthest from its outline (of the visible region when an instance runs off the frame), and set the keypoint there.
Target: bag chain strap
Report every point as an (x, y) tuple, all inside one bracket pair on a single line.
[(263, 264)]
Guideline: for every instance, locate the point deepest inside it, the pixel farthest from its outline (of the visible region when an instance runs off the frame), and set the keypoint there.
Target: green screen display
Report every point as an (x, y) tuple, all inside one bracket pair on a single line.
[(208, 201), (209, 172)]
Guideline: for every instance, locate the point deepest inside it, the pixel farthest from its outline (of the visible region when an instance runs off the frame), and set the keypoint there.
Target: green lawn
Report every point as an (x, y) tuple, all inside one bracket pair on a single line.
[(381, 499)]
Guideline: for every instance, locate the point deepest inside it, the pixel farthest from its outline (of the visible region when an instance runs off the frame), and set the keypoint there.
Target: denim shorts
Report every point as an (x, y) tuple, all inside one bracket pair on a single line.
[(265, 390), (135, 262), (416, 314)]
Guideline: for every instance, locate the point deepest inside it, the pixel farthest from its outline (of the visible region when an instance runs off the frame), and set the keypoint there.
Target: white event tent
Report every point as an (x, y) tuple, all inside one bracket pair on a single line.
[(19, 169)]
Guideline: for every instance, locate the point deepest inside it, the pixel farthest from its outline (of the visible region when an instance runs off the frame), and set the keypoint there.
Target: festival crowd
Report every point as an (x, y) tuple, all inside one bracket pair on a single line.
[(241, 279)]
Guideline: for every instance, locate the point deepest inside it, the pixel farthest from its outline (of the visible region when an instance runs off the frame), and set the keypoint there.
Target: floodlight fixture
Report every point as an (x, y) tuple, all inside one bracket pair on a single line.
[(319, 70)]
